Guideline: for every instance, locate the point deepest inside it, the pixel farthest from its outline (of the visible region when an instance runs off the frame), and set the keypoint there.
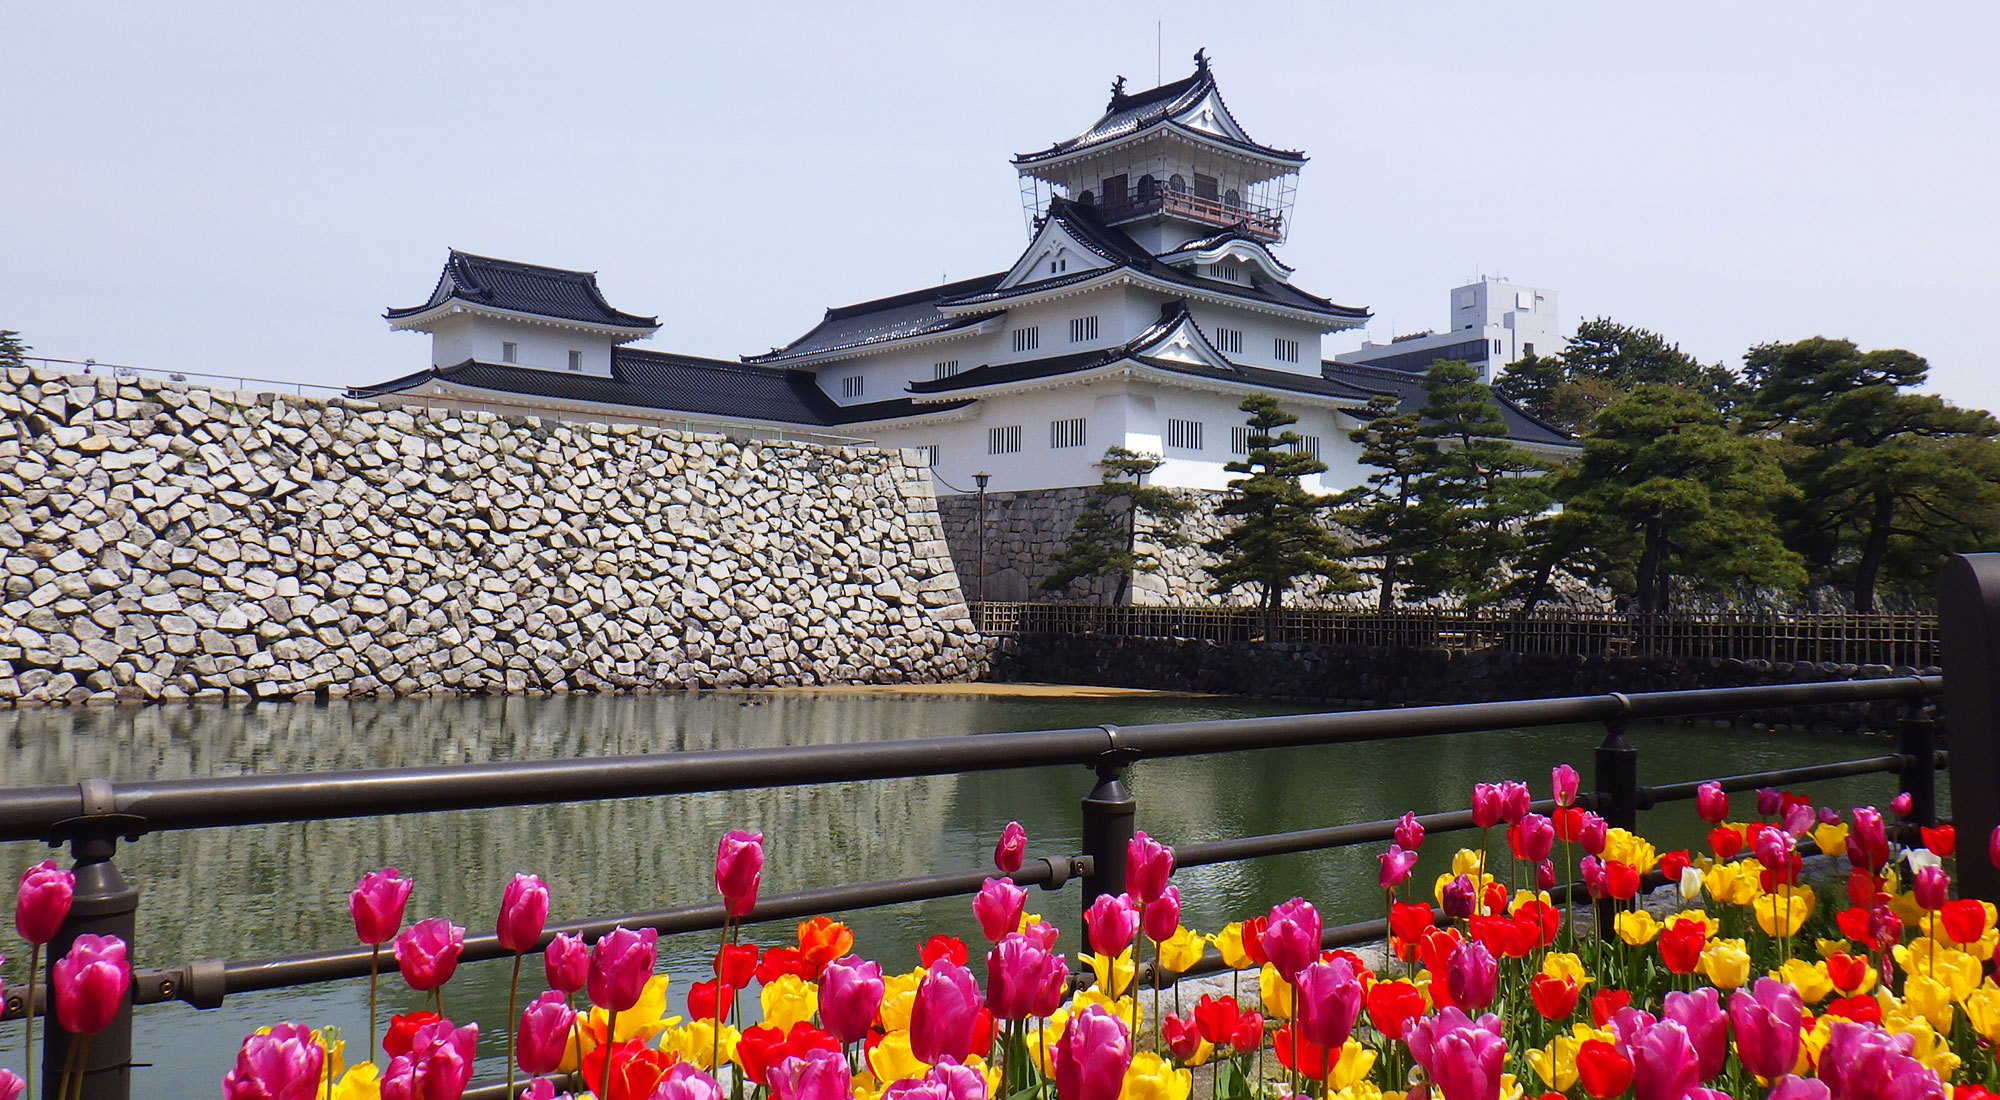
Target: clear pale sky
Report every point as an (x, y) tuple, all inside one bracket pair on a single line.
[(242, 189)]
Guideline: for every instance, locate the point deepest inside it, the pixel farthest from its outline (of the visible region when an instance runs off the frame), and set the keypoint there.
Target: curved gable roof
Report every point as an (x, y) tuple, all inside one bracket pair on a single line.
[(524, 288), (1129, 115)]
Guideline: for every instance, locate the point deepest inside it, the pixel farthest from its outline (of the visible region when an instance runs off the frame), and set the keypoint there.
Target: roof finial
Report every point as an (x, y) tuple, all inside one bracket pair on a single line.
[(1117, 90), (1201, 60)]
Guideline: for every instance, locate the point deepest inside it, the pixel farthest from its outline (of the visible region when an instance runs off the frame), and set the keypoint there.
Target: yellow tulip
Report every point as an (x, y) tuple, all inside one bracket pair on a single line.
[(1151, 1077), (1479, 884), (1784, 914), (788, 999), (1929, 998), (1353, 1065), (1811, 1042), (1555, 1064), (1905, 906), (1468, 862), (1180, 950), (1510, 1089), (1833, 947), (892, 1059), (1042, 1042), (1120, 1008), (643, 1020), (1732, 883), (1229, 941), (361, 1082), (697, 1043), (1276, 993), (1360, 1090), (899, 996), (1810, 979), (1725, 963), (1631, 849), (1562, 964), (1114, 976), (1832, 839), (1925, 1046), (1636, 927), (1982, 1011)]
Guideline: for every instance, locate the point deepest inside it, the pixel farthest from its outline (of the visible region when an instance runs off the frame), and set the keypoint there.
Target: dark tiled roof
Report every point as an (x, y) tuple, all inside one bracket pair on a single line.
[(524, 288), (892, 318), (1408, 390), (1127, 115)]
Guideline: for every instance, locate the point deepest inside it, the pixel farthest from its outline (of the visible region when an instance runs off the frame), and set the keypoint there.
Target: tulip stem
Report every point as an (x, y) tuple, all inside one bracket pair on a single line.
[(28, 1060), (512, 1024), (374, 966), (610, 1040), (76, 1066)]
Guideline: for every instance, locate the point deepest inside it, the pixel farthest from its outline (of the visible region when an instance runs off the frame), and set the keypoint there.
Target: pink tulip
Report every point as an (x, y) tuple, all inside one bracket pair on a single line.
[(1900, 805), (1993, 846), (1868, 839), (850, 994), (739, 867), (1485, 805), (543, 1034), (1932, 887), (1396, 865), (1019, 977), (907, 1088), (1162, 915), (541, 1088), (1864, 1062), (437, 1066), (621, 962), (1562, 784), (999, 905), (1769, 801), (1798, 819), (1545, 875), (1463, 1057), (1148, 863), (1013, 843), (1535, 836), (1092, 1057), (283, 1065), (1472, 975), (1711, 803), (377, 905), (1514, 801), (566, 962), (1591, 833), (955, 1081), (1829, 816), (1592, 870), (1884, 927), (1700, 1014), (814, 1075), (1291, 936), (524, 908), (90, 983), (1773, 849), (11, 1085), (427, 953), (1664, 1066), (42, 901), (1765, 1018), (1110, 922), (1460, 898), (1042, 932), (945, 1013), (686, 1081), (1409, 832), (1329, 1001), (1789, 1087)]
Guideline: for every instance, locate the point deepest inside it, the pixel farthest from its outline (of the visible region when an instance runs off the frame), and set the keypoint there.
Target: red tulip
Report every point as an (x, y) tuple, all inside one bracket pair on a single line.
[(739, 867), (1554, 997), (1409, 832), (763, 1047), (1007, 853), (945, 1013), (850, 993), (1297, 1053), (635, 1072), (1562, 784), (1604, 1071), (543, 1034), (1216, 1018), (427, 953), (437, 1067), (814, 1075), (1328, 1002), (1606, 1003), (403, 1031), (1396, 865), (90, 983), (1092, 1057), (524, 908), (710, 1000), (621, 961), (1711, 803), (1681, 943), (1291, 936), (1964, 920), (998, 906), (1183, 1036), (377, 905), (1724, 841), (1847, 972), (1766, 1019), (1621, 880), (1545, 875), (566, 962), (781, 960), (1942, 840), (1162, 916), (1110, 922), (943, 947), (42, 901), (735, 964), (282, 1065), (1393, 1004)]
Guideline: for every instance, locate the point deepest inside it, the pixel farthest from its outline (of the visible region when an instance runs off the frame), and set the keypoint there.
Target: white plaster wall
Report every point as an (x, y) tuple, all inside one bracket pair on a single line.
[(466, 336), (1260, 331), (1218, 415)]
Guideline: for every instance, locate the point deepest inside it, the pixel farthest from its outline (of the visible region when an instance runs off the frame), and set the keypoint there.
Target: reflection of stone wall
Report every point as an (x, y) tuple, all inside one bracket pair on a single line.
[(162, 541)]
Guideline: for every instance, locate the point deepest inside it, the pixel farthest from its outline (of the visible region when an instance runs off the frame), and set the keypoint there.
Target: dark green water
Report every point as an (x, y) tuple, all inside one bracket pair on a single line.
[(251, 892)]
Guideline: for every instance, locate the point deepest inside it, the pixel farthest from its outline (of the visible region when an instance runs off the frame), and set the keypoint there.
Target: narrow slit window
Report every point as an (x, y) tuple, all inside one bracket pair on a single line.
[(1285, 349), (1028, 339), (1229, 341), (851, 386), (1082, 329), (1239, 439), (1184, 434), (927, 454), (944, 370), (1003, 441), (1066, 433)]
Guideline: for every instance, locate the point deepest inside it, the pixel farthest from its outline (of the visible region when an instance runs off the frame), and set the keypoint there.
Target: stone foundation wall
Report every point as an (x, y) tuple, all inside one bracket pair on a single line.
[(163, 541)]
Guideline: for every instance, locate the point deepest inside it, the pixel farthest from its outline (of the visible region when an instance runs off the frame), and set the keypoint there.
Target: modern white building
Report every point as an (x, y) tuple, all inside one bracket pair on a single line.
[(1493, 323)]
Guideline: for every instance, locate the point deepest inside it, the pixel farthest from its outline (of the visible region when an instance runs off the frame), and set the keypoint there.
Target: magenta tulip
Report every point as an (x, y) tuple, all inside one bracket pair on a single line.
[(1291, 936), (11, 1085), (90, 983), (1829, 816), (1536, 836), (1328, 1002), (283, 1065), (1869, 840), (1110, 922), (1700, 1014), (1019, 976), (1711, 803), (1409, 832), (1591, 833), (1485, 805), (906, 1088), (377, 905), (850, 994), (524, 908), (566, 963), (621, 962), (1562, 784), (1472, 976), (1514, 801), (1162, 916), (1798, 819), (437, 1067), (427, 953), (955, 1081), (1789, 1087), (1932, 887), (1092, 1057), (1664, 1066), (1148, 863), (945, 1013), (1545, 875), (1993, 846), (1460, 898), (1773, 848), (739, 867), (1592, 870), (1900, 805), (1396, 865), (1864, 1062), (1769, 801), (685, 1081), (1765, 1018), (1013, 843), (999, 905), (543, 1034), (42, 901), (1461, 1056), (813, 1075)]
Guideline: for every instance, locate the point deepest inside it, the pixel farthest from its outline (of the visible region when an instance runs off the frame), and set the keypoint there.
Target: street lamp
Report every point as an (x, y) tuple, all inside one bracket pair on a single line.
[(980, 479)]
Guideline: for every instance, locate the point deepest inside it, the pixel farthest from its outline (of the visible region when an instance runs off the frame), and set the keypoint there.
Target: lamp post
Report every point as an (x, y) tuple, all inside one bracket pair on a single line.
[(980, 479)]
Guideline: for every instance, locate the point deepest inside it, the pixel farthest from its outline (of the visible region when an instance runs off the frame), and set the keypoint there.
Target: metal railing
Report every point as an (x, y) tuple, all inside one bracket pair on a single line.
[(1897, 640)]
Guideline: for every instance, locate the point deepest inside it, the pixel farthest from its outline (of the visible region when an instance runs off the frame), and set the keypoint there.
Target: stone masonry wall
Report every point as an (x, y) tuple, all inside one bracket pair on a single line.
[(162, 541)]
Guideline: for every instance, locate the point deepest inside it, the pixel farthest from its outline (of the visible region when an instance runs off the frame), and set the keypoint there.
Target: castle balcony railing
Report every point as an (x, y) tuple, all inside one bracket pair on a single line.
[(1257, 221)]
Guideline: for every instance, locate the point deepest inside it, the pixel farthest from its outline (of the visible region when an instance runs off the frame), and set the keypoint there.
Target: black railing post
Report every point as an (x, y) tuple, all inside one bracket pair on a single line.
[(1616, 778), (1108, 812), (104, 905), (1969, 650), (1917, 735)]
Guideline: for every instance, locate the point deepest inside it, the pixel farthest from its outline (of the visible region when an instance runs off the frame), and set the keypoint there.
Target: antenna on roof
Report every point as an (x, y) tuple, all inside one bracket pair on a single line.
[(1158, 35)]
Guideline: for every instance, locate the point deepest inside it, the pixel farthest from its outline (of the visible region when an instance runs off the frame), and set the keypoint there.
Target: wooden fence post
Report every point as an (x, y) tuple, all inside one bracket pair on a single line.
[(1969, 638)]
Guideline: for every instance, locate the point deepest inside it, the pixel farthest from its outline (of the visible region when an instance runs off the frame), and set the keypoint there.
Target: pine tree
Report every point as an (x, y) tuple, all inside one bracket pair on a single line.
[(1105, 538), (12, 351), (1474, 491), (1279, 537), (1382, 518)]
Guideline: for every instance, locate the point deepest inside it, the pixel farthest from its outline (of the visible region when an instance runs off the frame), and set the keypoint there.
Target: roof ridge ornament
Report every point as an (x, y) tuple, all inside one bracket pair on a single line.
[(1117, 93), (1201, 60)]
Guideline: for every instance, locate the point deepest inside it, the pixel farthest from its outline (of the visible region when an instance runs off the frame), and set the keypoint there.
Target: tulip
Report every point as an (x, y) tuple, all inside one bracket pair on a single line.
[(11, 1085), (957, 1082), (427, 953), (1941, 840), (1019, 976), (90, 983), (282, 1065), (1769, 801), (1664, 1065), (1789, 1087), (1932, 887), (1472, 976), (621, 962), (1993, 846), (1592, 870), (1603, 1069), (437, 1067), (1798, 819), (1868, 838), (1291, 936), (1110, 923), (1007, 853), (1863, 1062), (1773, 848), (1183, 1037), (1329, 1001), (1531, 838), (814, 1075), (1410, 833), (1092, 1056), (1462, 1056), (1147, 865), (1592, 832), (1396, 865), (850, 993), (524, 907), (566, 963), (42, 901), (1700, 1014), (739, 867), (1900, 805), (1562, 783), (1553, 997), (1711, 803), (1485, 805), (1162, 915), (1545, 875), (1460, 899), (999, 905), (686, 1082), (945, 1012), (1514, 801), (1765, 1018), (377, 905), (543, 1034)]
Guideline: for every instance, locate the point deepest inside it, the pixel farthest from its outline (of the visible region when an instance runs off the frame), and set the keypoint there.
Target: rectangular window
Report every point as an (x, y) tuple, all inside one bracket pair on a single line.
[(1229, 272), (1527, 349), (575, 359), (1082, 328), (1229, 341), (944, 370), (1003, 441), (927, 454), (1058, 266), (1239, 439), (1205, 187), (1496, 345), (507, 354), (1028, 339), (1066, 433), (1286, 350), (851, 385), (1307, 445), (1184, 434)]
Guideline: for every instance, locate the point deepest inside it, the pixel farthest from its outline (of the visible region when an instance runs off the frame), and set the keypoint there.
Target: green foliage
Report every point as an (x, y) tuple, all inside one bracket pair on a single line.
[(1602, 362), (1382, 517), (12, 350), (1105, 538), (1279, 537)]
